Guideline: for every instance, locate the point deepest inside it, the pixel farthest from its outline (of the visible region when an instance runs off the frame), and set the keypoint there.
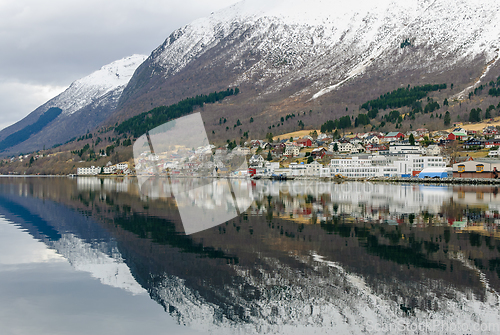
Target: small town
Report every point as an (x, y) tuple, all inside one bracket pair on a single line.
[(420, 153)]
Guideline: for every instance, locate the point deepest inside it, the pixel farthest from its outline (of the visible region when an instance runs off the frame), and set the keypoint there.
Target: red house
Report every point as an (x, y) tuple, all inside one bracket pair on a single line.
[(455, 136), (304, 142), (394, 136)]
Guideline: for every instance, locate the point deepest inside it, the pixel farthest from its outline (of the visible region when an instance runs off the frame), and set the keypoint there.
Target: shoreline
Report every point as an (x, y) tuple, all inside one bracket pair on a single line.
[(411, 180)]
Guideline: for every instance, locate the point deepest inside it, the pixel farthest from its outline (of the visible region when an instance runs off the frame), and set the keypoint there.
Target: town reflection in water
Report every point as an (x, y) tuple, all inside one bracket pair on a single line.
[(289, 257)]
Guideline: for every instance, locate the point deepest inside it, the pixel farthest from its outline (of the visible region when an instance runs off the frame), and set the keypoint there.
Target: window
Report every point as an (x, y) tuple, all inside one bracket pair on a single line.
[(461, 168), (480, 168)]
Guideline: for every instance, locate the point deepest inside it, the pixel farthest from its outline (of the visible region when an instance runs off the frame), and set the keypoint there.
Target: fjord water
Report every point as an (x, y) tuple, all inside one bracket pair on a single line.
[(90, 255)]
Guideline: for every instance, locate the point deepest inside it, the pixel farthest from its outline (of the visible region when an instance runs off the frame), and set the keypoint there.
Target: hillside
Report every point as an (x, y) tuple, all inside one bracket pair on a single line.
[(301, 56)]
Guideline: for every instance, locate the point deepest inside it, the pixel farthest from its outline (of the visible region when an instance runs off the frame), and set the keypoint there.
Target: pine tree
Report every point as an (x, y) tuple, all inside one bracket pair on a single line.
[(447, 118)]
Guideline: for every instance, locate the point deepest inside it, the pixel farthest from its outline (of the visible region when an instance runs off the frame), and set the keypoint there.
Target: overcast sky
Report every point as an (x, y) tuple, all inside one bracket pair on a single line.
[(46, 45)]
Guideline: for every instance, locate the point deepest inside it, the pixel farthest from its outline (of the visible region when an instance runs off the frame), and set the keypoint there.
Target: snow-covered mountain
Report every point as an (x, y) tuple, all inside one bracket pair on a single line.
[(309, 49), (84, 104), (108, 81)]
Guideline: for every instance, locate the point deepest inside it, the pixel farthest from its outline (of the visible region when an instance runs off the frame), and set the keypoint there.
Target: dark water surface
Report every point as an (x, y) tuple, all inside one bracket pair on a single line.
[(101, 256)]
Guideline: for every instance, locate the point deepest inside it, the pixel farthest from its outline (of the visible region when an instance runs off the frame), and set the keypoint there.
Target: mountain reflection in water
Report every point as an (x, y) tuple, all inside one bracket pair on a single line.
[(306, 257)]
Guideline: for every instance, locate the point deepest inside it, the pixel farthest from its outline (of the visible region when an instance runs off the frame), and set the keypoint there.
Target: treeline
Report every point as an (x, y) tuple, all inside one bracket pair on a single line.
[(342, 123), (393, 117), (475, 115), (140, 124), (25, 133), (402, 97), (495, 88), (80, 152)]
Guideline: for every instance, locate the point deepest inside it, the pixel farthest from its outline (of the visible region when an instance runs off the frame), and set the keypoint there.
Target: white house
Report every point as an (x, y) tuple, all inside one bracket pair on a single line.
[(343, 147), (292, 150), (256, 161), (433, 150), (372, 139)]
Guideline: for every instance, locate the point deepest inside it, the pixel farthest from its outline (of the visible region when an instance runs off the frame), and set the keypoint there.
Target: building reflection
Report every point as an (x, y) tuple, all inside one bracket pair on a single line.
[(307, 201)]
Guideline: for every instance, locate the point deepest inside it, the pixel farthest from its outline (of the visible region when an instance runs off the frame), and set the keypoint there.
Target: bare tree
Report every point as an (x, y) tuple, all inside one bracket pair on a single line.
[(452, 150)]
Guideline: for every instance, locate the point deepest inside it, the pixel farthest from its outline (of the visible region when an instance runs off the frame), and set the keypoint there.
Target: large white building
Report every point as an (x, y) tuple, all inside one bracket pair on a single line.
[(360, 168), (418, 163), (121, 166), (109, 169), (88, 171), (357, 167), (405, 149), (369, 167), (298, 170)]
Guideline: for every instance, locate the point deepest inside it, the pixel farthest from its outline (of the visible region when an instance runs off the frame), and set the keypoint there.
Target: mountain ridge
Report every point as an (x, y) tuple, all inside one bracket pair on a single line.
[(84, 105), (313, 56)]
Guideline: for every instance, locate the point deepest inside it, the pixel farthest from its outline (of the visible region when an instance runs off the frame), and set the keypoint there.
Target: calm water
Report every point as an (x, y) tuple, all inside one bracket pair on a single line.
[(110, 256)]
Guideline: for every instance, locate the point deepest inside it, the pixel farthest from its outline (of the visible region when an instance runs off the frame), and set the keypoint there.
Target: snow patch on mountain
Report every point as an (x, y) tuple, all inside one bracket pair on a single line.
[(463, 94)]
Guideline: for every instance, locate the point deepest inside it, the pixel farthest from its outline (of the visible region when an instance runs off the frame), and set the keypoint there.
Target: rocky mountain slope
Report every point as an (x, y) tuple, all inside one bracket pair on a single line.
[(301, 55), (84, 105)]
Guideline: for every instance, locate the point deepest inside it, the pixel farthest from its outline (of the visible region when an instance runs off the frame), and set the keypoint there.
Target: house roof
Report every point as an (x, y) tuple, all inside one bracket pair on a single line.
[(303, 140), (393, 134)]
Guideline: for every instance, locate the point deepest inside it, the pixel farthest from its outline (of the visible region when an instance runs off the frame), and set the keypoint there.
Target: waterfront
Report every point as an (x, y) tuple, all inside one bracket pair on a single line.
[(108, 255)]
